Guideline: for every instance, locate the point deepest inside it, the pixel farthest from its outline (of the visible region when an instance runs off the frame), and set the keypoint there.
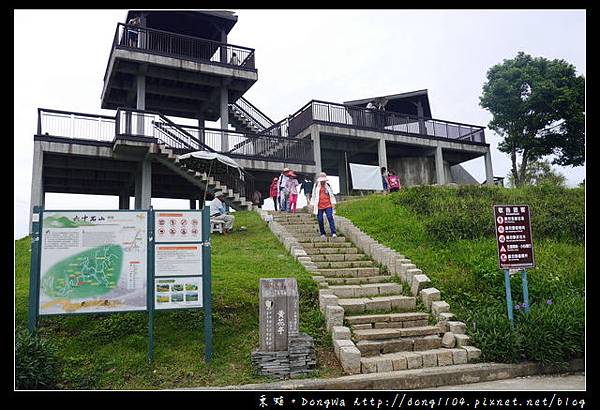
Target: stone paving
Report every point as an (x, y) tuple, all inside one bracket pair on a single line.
[(374, 323)]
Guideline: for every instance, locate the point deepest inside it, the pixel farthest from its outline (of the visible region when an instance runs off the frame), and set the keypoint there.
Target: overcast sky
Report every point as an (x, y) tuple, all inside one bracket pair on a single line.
[(332, 55)]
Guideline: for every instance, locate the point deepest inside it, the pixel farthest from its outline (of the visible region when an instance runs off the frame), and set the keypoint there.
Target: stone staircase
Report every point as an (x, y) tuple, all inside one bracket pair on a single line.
[(163, 154), (378, 327)]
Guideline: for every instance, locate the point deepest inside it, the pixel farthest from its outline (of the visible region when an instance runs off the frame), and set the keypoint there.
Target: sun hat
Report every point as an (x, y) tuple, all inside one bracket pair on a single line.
[(322, 177), (292, 174), (219, 193), (286, 169)]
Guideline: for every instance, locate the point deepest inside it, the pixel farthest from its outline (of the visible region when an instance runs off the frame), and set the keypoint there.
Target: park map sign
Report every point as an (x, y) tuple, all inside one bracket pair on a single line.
[(93, 262), (88, 261)]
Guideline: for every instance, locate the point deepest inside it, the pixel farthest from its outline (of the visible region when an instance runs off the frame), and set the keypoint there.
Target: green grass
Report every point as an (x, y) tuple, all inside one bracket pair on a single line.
[(109, 351), (465, 268)]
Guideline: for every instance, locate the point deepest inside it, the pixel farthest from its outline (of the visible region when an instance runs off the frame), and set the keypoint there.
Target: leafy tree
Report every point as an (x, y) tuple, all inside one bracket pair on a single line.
[(538, 108), (540, 172)]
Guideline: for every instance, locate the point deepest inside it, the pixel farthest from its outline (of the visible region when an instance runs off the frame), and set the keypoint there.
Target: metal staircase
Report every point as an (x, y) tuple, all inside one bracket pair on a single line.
[(246, 117)]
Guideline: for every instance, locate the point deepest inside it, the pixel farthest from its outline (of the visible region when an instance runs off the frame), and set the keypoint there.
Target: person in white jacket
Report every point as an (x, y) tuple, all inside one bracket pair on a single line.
[(324, 203)]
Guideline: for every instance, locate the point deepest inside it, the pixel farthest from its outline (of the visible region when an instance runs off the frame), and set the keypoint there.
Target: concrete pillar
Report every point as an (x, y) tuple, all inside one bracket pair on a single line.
[(201, 128), (422, 129), (316, 137), (343, 173), (489, 174), (223, 48), (382, 153), (439, 166), (37, 182), (193, 204), (141, 101), (143, 185), (124, 198), (224, 119)]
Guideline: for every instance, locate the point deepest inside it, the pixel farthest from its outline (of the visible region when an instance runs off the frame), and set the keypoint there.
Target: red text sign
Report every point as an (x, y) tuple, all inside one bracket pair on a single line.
[(513, 236)]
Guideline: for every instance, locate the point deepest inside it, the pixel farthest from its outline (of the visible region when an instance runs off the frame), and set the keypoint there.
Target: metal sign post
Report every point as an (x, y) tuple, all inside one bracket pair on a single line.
[(515, 247), (206, 284), (150, 285), (34, 272)]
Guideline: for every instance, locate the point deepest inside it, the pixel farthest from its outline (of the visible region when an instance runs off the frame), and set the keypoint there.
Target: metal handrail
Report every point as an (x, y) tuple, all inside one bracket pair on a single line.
[(179, 45)]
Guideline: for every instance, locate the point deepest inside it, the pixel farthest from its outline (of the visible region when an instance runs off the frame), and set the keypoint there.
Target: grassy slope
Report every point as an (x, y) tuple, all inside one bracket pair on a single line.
[(466, 271), (109, 351)]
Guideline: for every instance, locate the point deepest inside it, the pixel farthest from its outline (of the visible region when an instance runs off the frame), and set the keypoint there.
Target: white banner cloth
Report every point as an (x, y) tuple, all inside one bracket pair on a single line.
[(366, 177)]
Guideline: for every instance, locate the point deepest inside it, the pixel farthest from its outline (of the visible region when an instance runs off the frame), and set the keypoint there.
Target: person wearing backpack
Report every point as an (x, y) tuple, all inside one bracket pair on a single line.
[(393, 181)]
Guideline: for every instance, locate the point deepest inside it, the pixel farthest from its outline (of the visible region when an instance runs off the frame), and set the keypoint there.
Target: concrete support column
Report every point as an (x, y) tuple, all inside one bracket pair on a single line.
[(193, 204), (37, 182), (422, 129), (143, 185), (343, 173), (124, 198), (489, 174), (223, 48), (439, 166), (316, 137), (382, 153), (201, 125), (141, 101), (224, 119)]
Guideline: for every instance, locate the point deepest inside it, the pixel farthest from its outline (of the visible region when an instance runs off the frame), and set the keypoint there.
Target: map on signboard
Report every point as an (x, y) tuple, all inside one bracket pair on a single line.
[(93, 262)]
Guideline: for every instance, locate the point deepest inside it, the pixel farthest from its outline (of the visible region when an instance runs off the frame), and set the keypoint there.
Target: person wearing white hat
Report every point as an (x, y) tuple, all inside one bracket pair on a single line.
[(218, 212), (282, 191), (324, 203)]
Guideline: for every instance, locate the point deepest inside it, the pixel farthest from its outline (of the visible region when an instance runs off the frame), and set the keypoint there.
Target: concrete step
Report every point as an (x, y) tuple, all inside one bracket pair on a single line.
[(345, 264), (416, 360), (366, 290), (378, 303), (349, 272), (318, 239), (346, 250), (358, 281), (403, 344), (328, 244), (387, 318), (394, 333), (344, 257)]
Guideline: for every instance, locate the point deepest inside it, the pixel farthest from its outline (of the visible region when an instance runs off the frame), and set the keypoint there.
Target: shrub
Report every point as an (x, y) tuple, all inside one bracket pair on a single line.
[(36, 362)]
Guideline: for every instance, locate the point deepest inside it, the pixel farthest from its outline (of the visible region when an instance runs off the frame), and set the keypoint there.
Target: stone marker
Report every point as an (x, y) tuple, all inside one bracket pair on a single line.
[(278, 313)]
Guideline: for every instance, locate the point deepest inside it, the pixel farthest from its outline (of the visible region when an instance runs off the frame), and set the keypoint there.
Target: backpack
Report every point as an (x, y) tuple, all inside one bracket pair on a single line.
[(394, 181)]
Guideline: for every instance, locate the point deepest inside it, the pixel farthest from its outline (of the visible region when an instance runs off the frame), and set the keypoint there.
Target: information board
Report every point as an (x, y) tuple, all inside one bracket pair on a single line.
[(174, 293), (93, 261), (513, 236), (178, 226), (178, 260)]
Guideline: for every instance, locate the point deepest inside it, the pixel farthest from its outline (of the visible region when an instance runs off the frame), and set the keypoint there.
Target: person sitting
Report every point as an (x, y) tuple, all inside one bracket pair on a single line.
[(393, 181), (234, 59), (324, 204), (218, 212)]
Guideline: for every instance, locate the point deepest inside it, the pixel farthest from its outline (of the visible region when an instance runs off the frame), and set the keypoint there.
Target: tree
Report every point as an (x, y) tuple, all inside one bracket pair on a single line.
[(540, 172), (538, 108)]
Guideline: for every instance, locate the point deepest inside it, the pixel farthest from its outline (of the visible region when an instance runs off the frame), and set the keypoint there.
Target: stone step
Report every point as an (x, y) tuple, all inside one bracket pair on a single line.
[(311, 250), (318, 239), (386, 318), (416, 360), (405, 344), (349, 272), (394, 333), (367, 290), (385, 303), (345, 264), (358, 281), (326, 244), (344, 257)]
